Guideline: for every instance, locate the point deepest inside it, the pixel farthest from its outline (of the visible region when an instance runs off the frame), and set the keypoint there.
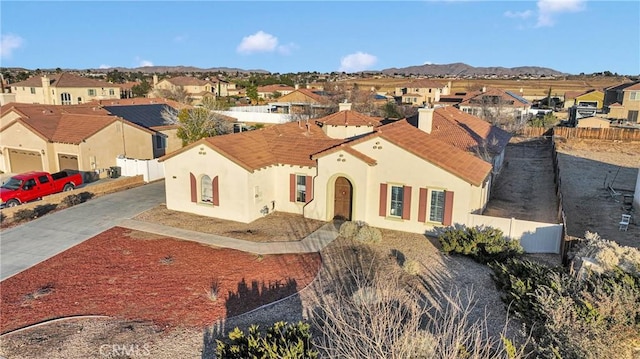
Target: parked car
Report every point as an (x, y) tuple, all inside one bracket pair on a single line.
[(30, 186)]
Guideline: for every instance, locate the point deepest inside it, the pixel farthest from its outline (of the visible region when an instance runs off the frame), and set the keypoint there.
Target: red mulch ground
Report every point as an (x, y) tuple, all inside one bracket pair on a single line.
[(135, 275)]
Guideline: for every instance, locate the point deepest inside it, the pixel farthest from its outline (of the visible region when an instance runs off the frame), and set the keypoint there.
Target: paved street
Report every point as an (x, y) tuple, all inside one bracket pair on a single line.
[(23, 246)]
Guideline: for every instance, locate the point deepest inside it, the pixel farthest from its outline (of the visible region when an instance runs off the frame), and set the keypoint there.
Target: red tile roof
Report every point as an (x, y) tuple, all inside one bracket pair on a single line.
[(141, 101), (290, 144), (48, 111), (65, 80), (635, 87), (467, 132), (187, 81), (302, 93), (69, 128), (459, 162), (494, 92), (349, 118)]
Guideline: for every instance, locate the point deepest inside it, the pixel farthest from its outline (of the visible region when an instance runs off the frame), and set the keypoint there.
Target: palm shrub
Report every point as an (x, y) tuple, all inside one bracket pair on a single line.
[(483, 244), (281, 340)]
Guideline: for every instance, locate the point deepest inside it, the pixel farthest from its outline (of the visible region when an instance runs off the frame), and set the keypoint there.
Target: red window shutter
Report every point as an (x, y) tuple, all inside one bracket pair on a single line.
[(308, 196), (383, 200), (448, 208), (194, 188), (292, 187), (422, 206), (406, 202), (216, 192)]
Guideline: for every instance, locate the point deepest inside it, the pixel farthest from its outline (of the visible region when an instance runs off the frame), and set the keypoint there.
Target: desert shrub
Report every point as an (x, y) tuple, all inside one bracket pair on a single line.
[(282, 340), (411, 267), (75, 199), (24, 215), (349, 229), (518, 280), (360, 231), (608, 254), (43, 209), (483, 244), (367, 234), (595, 315)]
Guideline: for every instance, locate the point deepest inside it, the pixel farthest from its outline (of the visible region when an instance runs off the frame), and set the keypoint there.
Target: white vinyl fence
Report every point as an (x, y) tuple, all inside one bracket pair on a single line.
[(150, 170), (535, 237)]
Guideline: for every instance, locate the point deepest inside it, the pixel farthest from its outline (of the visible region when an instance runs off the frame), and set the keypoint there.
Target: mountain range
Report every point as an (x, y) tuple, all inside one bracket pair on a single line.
[(461, 69)]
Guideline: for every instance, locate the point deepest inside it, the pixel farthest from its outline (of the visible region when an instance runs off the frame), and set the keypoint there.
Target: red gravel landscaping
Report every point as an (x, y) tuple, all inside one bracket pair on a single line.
[(134, 275)]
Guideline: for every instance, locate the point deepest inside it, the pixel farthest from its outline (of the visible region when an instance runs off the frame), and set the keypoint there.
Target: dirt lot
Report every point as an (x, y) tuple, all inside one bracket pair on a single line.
[(525, 188), (586, 168)]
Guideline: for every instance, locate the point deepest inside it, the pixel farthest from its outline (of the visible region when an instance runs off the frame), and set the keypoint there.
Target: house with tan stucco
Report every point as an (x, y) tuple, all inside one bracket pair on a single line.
[(421, 92), (63, 89), (410, 174), (52, 138), (623, 102)]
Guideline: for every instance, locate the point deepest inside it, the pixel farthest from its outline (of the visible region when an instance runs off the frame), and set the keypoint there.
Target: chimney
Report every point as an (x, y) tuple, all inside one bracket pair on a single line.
[(297, 86), (425, 119), (344, 106), (45, 90), (484, 89)]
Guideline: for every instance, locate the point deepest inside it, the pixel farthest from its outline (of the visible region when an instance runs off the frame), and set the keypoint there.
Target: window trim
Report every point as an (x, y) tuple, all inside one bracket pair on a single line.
[(430, 204), (91, 92), (301, 192), (390, 187)]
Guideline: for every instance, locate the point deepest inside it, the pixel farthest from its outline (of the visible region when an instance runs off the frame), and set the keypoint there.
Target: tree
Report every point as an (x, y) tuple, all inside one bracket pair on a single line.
[(141, 89), (178, 94), (197, 123), (252, 93)]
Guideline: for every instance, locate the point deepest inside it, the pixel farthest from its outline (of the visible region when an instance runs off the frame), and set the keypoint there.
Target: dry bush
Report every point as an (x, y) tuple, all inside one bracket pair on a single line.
[(368, 307)]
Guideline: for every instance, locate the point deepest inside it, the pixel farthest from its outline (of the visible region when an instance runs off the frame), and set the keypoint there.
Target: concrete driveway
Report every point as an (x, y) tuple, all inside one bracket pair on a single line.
[(26, 245)]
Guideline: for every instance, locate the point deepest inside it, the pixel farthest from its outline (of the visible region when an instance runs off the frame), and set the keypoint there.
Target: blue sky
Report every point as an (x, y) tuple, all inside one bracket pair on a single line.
[(571, 36)]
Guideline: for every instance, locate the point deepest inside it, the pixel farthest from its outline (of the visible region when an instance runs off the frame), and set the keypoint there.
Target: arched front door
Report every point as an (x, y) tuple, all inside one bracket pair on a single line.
[(342, 199)]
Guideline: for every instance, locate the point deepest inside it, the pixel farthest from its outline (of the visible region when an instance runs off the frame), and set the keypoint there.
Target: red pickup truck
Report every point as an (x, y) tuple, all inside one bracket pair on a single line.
[(30, 186)]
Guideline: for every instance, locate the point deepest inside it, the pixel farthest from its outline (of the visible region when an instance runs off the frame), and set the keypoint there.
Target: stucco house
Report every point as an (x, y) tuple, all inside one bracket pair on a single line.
[(267, 92), (496, 106), (421, 92), (409, 174), (63, 89), (52, 138), (591, 98)]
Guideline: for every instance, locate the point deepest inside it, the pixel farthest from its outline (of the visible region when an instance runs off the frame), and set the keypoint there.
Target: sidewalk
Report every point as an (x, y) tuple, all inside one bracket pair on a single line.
[(314, 242)]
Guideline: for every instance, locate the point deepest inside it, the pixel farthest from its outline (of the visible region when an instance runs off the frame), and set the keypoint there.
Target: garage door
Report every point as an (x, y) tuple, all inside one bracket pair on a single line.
[(25, 161), (67, 162)]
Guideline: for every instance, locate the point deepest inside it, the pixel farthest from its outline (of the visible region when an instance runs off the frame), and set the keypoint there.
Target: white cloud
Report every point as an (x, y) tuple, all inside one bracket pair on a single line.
[(144, 63), (519, 14), (8, 43), (103, 66), (357, 62), (548, 9), (258, 42)]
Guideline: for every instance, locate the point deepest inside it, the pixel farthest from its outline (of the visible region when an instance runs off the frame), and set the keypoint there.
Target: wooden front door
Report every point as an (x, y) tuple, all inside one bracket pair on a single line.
[(342, 199)]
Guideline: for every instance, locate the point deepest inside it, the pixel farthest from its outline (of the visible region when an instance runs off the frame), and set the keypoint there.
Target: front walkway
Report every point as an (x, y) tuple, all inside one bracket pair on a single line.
[(314, 242)]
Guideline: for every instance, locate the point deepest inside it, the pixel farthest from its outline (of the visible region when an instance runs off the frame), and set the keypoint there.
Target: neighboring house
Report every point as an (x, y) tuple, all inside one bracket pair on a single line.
[(63, 89), (304, 102), (590, 98), (421, 92), (497, 106), (148, 113), (271, 91), (396, 175), (52, 138), (593, 122), (195, 88), (622, 101)]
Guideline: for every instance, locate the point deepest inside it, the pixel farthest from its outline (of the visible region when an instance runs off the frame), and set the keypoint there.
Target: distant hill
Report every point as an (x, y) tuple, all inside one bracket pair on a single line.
[(172, 69), (461, 69)]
